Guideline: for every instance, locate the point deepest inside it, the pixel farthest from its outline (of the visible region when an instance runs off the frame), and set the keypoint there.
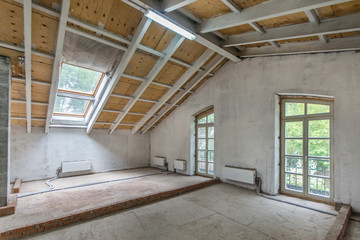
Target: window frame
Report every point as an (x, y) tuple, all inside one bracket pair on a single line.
[(80, 93), (197, 125), (305, 119)]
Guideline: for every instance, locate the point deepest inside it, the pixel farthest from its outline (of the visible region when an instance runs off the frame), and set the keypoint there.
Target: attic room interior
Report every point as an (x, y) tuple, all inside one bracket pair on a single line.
[(180, 119)]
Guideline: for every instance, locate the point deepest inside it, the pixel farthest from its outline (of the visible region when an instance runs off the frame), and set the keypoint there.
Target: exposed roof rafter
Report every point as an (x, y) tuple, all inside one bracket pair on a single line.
[(191, 71), (27, 40), (170, 50), (329, 26), (263, 11), (125, 59), (57, 61), (334, 45), (171, 5), (199, 76)]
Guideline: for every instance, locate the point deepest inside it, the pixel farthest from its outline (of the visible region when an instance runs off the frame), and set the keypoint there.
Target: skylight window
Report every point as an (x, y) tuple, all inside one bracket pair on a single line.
[(79, 79), (77, 88), (66, 105)]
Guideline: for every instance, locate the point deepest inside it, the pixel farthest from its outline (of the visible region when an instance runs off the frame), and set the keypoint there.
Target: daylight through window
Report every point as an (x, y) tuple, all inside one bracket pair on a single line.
[(77, 88)]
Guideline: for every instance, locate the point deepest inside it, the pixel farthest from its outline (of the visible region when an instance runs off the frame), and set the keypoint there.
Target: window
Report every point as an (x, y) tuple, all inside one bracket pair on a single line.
[(77, 88), (205, 143), (306, 148)]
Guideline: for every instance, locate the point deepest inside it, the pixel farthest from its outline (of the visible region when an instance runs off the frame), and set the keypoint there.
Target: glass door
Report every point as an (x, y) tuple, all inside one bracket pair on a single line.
[(205, 143), (306, 149)]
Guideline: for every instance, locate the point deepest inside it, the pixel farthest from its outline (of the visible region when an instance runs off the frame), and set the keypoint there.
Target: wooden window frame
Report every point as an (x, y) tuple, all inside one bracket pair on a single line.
[(197, 117), (306, 117)]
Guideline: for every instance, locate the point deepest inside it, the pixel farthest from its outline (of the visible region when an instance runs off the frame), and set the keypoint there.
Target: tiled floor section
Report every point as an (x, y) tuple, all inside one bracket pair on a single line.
[(220, 211), (54, 205)]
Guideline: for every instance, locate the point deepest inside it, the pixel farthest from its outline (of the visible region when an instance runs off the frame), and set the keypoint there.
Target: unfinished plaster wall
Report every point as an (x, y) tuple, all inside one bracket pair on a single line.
[(38, 155), (244, 99)]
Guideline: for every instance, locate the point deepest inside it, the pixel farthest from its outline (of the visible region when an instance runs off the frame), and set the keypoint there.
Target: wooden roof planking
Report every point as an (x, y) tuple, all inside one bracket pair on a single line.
[(119, 18)]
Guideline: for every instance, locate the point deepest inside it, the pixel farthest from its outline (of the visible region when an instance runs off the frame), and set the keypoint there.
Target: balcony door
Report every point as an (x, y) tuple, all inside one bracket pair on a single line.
[(205, 143), (306, 148)]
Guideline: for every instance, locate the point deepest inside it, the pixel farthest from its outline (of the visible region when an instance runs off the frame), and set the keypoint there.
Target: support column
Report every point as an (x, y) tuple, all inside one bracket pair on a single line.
[(5, 96)]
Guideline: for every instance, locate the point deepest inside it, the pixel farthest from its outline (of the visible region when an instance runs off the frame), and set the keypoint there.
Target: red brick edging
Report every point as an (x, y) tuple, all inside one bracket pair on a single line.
[(97, 212), (337, 230), (9, 208)]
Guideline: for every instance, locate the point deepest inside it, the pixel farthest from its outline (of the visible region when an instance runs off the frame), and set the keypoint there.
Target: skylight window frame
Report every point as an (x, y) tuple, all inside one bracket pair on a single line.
[(80, 93), (101, 78)]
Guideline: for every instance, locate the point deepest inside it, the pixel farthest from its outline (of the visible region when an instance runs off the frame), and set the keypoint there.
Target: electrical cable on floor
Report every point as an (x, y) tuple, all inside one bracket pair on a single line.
[(258, 191), (87, 184), (57, 175)]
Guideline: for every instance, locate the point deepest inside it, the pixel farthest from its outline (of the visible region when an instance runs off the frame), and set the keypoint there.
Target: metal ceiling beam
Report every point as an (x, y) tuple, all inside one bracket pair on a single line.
[(208, 40), (32, 81), (75, 96), (125, 59), (199, 76), (311, 15), (329, 26), (179, 83), (267, 10), (170, 50), (32, 102), (21, 49), (27, 43), (57, 61), (96, 29), (95, 38), (233, 6), (334, 45), (171, 5)]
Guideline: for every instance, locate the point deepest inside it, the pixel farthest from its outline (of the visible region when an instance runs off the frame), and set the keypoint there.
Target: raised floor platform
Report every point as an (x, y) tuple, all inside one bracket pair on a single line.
[(40, 212)]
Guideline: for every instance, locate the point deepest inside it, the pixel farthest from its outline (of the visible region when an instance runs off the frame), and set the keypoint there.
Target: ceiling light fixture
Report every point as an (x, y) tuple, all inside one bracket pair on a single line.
[(161, 19)]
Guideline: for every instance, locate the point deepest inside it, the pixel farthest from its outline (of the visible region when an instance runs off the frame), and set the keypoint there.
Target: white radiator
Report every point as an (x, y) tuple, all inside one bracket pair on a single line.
[(74, 167), (180, 164), (244, 175), (159, 161)]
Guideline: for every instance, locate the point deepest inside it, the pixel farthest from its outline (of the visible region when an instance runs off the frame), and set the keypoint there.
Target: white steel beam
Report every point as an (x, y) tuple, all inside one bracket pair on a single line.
[(208, 40), (329, 26), (334, 45), (125, 59), (171, 5), (233, 6), (199, 76), (95, 38), (32, 102), (263, 11), (32, 81), (21, 49), (170, 50), (311, 14), (27, 43), (98, 30), (181, 81), (57, 61), (76, 96), (257, 27)]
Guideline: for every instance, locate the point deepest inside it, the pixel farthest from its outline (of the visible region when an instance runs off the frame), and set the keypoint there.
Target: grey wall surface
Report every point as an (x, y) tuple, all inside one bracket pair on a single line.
[(38, 155), (244, 99), (5, 96)]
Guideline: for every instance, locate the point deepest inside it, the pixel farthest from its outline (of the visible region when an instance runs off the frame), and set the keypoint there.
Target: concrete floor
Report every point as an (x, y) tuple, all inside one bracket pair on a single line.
[(48, 206), (221, 211), (352, 231)]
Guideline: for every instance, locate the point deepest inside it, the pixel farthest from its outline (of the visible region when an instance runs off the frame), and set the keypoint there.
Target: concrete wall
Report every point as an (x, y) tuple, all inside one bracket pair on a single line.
[(38, 155), (5, 96), (244, 99)]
